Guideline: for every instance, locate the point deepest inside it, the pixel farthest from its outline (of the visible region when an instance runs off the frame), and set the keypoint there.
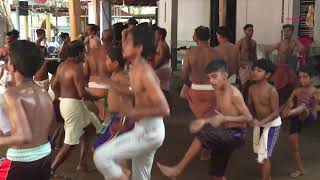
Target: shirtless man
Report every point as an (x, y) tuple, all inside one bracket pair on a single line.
[(263, 102), (63, 54), (150, 106), (229, 52), (92, 40), (96, 71), (41, 41), (69, 85), (29, 155), (248, 54), (223, 132), (285, 75), (131, 24), (200, 96), (162, 63), (41, 77)]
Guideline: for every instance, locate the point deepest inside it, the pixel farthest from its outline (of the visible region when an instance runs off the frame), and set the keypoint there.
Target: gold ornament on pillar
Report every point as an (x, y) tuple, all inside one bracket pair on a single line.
[(310, 17)]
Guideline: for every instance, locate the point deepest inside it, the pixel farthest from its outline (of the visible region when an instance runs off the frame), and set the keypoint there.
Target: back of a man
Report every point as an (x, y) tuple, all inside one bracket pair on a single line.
[(200, 96), (29, 153)]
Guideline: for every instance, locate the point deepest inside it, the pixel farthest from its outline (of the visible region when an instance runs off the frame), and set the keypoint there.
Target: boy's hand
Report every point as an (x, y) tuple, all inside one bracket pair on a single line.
[(255, 122), (197, 125), (217, 120)]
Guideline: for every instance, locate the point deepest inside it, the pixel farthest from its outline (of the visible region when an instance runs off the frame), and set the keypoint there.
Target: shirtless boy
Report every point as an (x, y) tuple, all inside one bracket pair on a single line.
[(119, 98), (41, 77), (30, 116), (263, 102), (141, 143), (69, 85), (300, 110), (221, 133)]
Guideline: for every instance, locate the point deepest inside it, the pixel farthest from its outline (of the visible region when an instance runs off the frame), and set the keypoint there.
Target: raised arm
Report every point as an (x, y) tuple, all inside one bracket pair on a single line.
[(21, 132), (269, 51)]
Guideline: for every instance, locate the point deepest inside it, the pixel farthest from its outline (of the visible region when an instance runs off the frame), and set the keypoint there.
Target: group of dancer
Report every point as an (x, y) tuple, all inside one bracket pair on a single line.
[(120, 87)]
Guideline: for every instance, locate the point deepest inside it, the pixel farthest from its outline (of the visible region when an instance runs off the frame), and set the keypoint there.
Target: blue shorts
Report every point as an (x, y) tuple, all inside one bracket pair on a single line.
[(273, 136)]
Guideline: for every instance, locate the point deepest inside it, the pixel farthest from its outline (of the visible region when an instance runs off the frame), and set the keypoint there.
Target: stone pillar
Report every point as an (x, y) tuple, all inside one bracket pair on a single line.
[(26, 27)]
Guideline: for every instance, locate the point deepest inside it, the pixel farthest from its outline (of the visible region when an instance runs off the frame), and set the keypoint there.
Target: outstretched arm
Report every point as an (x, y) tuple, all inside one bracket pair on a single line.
[(269, 51)]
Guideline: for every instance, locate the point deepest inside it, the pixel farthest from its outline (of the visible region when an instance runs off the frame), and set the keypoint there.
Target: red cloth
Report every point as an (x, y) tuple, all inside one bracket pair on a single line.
[(284, 76), (202, 103)]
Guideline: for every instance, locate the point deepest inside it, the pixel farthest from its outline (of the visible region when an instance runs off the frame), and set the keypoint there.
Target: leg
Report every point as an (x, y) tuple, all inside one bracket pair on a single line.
[(174, 171), (141, 166), (294, 146), (266, 168), (126, 146), (219, 178), (298, 110), (61, 157), (84, 141)]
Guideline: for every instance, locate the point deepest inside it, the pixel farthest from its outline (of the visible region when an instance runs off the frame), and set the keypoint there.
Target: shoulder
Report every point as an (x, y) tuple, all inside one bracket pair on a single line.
[(273, 90), (11, 95), (236, 92)]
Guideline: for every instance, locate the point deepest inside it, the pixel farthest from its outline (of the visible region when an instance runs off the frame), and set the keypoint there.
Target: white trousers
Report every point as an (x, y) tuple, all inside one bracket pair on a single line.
[(140, 145)]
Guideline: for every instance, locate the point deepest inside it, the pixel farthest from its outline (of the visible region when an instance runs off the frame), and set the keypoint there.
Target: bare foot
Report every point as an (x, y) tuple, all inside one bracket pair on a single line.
[(197, 125), (171, 172), (84, 168), (296, 174)]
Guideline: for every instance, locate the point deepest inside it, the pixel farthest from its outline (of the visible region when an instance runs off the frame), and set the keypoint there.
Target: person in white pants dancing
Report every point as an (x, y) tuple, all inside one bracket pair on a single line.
[(150, 106)]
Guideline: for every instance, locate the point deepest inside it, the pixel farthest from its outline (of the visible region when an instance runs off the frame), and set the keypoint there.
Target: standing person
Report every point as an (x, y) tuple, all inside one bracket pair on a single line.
[(300, 110), (119, 98), (96, 71), (200, 96), (285, 75), (63, 54), (92, 39), (69, 85), (41, 77), (29, 153), (248, 55), (150, 106), (263, 102), (131, 24), (162, 64), (42, 39), (223, 132), (229, 52)]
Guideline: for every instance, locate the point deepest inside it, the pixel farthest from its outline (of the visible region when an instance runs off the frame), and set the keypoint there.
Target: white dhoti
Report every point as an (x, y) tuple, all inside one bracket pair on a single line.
[(140, 145), (4, 120), (76, 116)]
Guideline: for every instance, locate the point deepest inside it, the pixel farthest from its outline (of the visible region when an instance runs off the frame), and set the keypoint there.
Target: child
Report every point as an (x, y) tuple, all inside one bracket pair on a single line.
[(225, 131), (263, 101), (117, 102), (300, 109)]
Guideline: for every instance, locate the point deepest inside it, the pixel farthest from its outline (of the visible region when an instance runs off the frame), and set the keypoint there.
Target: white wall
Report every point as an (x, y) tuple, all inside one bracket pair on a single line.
[(191, 14), (265, 15), (164, 17)]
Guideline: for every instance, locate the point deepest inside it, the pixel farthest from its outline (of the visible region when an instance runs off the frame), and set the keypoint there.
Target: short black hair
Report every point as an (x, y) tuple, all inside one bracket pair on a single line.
[(308, 69), (143, 35), (9, 34), (74, 48), (247, 26), (288, 26), (15, 34), (223, 31), (154, 27), (63, 35), (265, 64), (93, 27), (26, 57), (132, 21), (218, 65), (162, 32), (40, 32), (202, 33), (115, 54)]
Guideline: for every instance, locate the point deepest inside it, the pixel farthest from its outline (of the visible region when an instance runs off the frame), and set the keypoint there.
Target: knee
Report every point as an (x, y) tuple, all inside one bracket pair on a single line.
[(101, 158)]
